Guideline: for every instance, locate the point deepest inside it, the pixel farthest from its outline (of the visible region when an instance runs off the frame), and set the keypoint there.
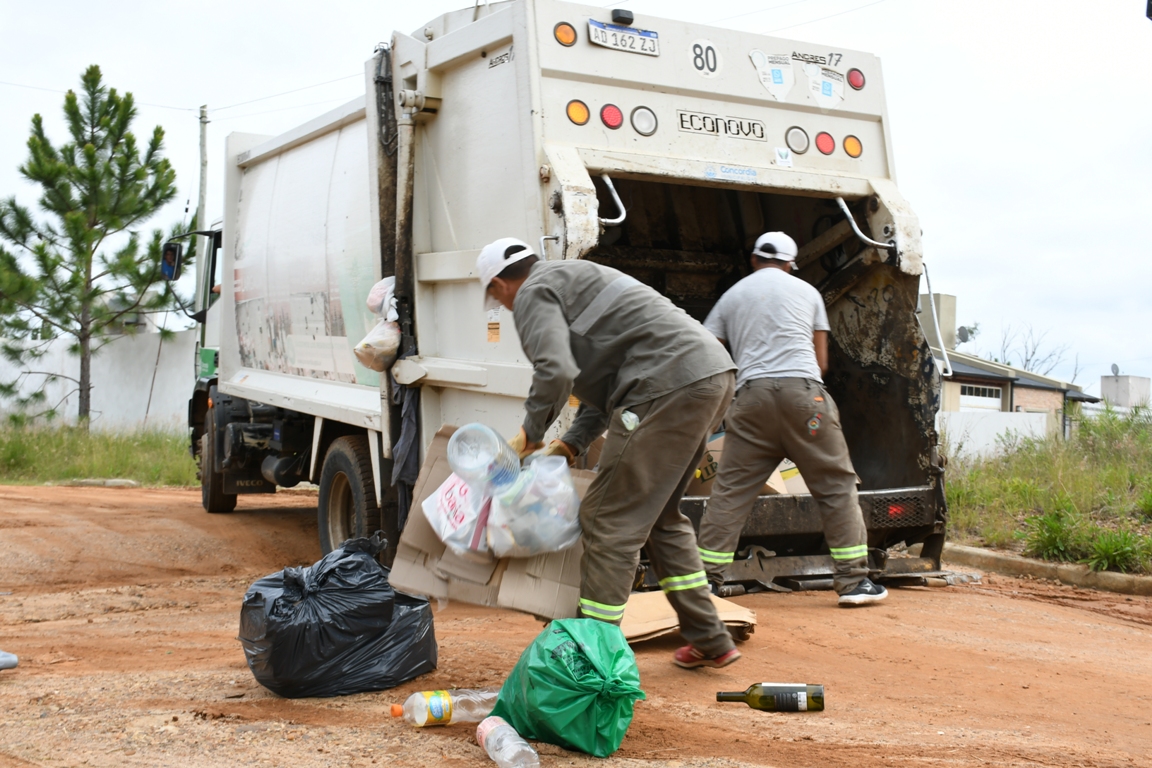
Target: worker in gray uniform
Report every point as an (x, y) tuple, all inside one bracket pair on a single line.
[(659, 383), (776, 327)]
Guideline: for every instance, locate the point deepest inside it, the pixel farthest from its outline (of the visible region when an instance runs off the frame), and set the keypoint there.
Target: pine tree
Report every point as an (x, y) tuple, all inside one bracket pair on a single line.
[(80, 270)]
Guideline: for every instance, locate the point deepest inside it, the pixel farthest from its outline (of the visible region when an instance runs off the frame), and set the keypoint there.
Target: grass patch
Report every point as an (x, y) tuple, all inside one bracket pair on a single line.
[(1088, 499), (51, 454)]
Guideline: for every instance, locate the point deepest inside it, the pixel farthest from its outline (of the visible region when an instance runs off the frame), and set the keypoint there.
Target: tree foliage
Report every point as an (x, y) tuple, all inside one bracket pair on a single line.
[(80, 269)]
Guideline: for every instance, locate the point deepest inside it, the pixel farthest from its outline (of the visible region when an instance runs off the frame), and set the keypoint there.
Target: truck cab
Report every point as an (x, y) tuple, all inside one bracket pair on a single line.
[(656, 147)]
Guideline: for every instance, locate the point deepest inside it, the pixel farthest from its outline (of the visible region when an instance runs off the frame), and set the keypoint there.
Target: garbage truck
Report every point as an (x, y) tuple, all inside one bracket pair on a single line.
[(659, 148)]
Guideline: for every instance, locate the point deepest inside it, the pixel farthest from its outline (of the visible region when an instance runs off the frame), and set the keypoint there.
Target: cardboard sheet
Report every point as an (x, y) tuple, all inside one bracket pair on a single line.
[(649, 615)]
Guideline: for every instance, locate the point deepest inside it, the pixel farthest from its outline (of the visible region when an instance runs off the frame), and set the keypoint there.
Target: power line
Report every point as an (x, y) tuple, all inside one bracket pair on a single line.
[(822, 18), (285, 93), (753, 13), (55, 90), (281, 109)]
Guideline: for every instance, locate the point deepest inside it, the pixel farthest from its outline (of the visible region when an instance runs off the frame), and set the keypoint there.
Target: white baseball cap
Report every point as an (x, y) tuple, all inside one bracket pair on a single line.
[(775, 245), (494, 258)]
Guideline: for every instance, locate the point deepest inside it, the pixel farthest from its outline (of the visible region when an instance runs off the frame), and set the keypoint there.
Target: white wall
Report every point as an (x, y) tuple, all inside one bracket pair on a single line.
[(122, 381), (983, 434), (1125, 391)]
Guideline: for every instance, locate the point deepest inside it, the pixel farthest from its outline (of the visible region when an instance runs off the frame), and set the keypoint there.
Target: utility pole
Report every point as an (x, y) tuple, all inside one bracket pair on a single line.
[(203, 244)]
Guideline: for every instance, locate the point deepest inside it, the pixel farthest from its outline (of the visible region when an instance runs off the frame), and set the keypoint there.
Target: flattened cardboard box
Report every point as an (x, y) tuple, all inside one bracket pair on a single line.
[(649, 615), (545, 585)]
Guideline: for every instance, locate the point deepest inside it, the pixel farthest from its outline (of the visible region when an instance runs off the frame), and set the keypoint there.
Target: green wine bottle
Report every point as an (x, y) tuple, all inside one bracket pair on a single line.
[(779, 697)]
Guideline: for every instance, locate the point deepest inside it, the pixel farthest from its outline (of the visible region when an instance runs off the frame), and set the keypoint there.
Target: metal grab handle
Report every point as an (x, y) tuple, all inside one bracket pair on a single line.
[(543, 240), (615, 199), (863, 238), (947, 372)]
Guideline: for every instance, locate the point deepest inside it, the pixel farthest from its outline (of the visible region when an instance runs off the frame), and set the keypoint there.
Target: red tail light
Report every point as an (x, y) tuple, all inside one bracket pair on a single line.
[(611, 116)]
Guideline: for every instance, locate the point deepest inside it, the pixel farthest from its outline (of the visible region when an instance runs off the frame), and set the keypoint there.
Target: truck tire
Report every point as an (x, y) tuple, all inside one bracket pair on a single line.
[(212, 494), (347, 505)]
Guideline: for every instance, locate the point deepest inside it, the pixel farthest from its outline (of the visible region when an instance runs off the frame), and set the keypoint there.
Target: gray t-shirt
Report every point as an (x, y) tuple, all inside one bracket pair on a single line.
[(768, 319)]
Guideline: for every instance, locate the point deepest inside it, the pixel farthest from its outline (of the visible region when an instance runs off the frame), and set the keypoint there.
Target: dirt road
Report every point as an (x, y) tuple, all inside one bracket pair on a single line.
[(123, 607)]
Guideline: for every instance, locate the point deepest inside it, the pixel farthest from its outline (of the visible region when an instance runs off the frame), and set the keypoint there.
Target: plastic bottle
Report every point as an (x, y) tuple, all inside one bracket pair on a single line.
[(779, 697), (506, 747), (446, 707), (482, 458)]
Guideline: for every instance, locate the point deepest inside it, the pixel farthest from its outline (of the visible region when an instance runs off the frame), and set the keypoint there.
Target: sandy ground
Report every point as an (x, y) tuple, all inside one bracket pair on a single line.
[(123, 606)]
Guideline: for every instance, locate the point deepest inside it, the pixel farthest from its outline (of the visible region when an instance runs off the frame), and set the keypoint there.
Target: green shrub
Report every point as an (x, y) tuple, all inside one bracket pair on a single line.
[(1055, 535), (1114, 550), (1144, 504)]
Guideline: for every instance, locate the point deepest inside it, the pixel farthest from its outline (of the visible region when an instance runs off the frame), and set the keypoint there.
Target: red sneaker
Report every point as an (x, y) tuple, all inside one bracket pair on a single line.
[(690, 658)]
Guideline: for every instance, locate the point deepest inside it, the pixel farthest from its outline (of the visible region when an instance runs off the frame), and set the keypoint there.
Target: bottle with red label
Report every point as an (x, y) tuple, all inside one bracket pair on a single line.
[(504, 745), (446, 707)]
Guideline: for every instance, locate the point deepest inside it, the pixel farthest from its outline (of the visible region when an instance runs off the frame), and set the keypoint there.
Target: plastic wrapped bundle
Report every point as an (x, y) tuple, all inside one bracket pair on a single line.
[(538, 513), (377, 350)]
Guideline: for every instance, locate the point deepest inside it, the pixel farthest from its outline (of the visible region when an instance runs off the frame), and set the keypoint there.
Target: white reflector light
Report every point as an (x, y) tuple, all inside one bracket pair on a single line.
[(797, 140), (644, 121)]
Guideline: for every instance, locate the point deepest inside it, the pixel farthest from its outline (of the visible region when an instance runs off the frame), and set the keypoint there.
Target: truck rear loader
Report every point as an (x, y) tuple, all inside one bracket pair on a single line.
[(660, 148)]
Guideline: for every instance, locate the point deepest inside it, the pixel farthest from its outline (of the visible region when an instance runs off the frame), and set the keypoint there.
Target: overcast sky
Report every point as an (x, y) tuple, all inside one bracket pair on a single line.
[(1022, 130)]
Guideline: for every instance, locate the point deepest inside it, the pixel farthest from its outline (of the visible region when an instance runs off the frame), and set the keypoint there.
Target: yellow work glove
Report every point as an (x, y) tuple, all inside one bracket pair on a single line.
[(521, 445), (559, 448)]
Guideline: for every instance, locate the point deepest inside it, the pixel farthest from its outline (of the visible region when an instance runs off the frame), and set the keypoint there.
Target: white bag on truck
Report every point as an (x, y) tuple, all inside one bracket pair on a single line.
[(459, 516), (377, 350), (538, 513), (382, 299)]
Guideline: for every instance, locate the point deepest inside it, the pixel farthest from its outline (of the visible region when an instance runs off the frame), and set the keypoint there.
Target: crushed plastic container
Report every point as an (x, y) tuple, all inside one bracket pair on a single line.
[(507, 748), (447, 707), (482, 458)]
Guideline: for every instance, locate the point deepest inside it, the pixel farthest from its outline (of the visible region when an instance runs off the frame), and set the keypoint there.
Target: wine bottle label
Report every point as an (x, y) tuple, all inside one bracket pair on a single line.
[(439, 705), (791, 702)]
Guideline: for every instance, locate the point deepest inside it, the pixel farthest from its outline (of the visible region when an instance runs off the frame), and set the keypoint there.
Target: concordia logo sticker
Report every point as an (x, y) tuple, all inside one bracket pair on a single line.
[(714, 125)]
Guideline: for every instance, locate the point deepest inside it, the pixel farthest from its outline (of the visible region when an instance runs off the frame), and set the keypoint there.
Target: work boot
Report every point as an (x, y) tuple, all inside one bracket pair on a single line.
[(863, 593), (689, 657), (8, 660)]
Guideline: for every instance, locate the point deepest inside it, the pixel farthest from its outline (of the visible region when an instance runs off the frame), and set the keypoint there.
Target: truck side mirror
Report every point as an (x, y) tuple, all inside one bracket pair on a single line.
[(170, 260)]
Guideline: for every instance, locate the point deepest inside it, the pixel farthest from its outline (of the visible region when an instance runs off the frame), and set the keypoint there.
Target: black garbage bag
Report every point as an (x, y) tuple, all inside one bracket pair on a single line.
[(336, 627)]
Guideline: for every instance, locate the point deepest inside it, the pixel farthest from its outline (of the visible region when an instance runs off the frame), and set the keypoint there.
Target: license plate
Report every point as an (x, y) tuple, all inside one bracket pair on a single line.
[(627, 39)]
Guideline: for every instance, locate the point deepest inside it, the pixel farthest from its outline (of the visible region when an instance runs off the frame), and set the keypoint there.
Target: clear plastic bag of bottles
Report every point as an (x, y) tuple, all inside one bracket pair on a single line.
[(538, 513)]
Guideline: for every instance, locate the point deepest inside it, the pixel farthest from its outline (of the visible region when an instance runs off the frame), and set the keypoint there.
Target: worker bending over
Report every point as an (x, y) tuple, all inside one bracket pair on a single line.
[(777, 328), (659, 383)]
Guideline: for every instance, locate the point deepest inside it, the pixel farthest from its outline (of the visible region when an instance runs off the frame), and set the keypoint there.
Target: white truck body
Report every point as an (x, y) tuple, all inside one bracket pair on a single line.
[(485, 147)]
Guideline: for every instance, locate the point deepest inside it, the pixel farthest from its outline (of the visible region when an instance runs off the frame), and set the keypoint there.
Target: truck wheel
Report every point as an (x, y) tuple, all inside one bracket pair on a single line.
[(212, 494), (347, 504)]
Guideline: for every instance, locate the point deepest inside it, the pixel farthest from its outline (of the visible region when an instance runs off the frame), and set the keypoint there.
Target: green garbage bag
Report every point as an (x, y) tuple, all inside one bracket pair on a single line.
[(573, 687)]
